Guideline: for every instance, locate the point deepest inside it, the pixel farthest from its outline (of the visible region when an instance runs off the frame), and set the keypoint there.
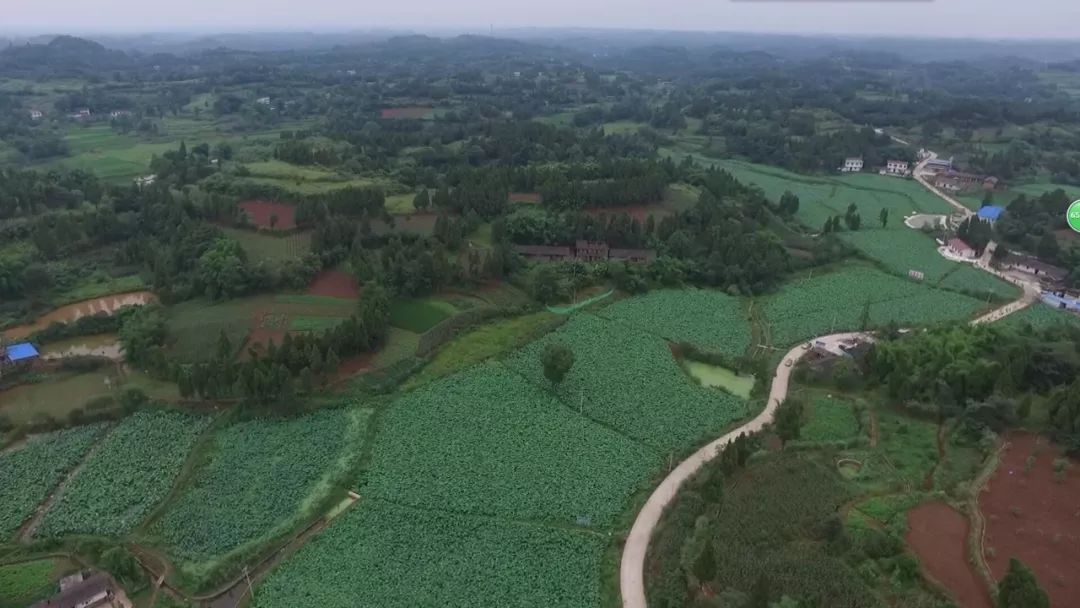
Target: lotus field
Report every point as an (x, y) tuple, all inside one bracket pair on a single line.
[(385, 555), (132, 469), (902, 250), (629, 381), (487, 442), (846, 299), (978, 282), (708, 319), (260, 478), (30, 472)]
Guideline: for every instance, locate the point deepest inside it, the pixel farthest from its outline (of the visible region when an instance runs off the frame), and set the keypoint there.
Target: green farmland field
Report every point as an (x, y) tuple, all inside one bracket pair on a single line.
[(390, 556), (260, 247), (260, 478), (24, 583), (708, 319), (619, 377), (849, 298), (132, 470), (486, 442), (30, 472)]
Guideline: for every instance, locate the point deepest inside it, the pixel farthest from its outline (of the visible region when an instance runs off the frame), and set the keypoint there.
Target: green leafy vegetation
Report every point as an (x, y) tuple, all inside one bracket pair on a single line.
[(391, 556), (419, 316), (30, 472), (23, 584), (710, 320), (130, 471), (528, 442), (260, 478), (620, 377)]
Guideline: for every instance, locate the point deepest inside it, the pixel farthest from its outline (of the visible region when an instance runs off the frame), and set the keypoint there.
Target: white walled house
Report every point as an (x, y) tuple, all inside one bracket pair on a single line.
[(897, 167), (36, 115), (960, 248), (852, 165)]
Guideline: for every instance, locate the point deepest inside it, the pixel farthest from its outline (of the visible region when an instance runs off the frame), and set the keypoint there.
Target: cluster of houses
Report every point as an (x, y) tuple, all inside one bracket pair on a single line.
[(80, 114), (586, 251), (895, 168), (949, 179)]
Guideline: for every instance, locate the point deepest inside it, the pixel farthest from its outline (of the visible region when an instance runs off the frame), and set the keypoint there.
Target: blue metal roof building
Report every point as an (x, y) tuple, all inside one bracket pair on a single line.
[(20, 352), (990, 213)]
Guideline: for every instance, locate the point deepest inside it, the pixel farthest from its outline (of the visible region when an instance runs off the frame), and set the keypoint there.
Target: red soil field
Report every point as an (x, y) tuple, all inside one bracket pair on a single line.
[(937, 534), (260, 211), (1035, 517), (413, 112), (336, 284), (532, 198), (640, 212)]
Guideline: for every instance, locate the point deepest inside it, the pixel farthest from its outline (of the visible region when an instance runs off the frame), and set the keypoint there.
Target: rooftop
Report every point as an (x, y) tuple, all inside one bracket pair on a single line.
[(21, 352), (991, 212)]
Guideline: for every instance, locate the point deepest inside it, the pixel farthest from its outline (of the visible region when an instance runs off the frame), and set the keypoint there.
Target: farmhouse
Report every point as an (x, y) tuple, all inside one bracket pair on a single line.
[(119, 113), (263, 101), (939, 165), (958, 181), (145, 180), (80, 590), (959, 247), (897, 167), (990, 213), (81, 114), (586, 251), (852, 165), (545, 253), (591, 251), (35, 114), (1048, 274)]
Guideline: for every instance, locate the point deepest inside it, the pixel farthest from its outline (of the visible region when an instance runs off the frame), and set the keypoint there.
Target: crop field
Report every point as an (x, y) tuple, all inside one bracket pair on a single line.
[(488, 340), (620, 378), (400, 204), (485, 442), (1039, 316), (29, 473), (261, 478), (56, 396), (843, 299), (824, 197), (906, 455), (902, 250), (708, 319), (266, 247), (419, 315), (831, 419), (132, 469), (971, 280), (390, 556), (194, 326), (23, 584)]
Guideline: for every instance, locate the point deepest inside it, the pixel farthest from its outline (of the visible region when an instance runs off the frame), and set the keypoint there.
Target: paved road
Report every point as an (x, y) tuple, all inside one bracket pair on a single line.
[(631, 573), (632, 567)]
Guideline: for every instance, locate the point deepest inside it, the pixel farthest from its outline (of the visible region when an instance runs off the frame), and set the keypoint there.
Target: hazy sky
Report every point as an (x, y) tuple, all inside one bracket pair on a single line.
[(953, 18)]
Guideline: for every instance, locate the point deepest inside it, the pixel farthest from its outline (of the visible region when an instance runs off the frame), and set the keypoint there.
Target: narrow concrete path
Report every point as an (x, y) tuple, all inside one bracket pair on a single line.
[(632, 566), (920, 174)]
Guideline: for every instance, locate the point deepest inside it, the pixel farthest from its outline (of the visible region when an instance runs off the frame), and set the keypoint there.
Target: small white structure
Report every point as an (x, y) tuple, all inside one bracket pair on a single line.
[(145, 180), (961, 249), (852, 165), (939, 165), (81, 114), (897, 167), (263, 100), (36, 115), (119, 113)]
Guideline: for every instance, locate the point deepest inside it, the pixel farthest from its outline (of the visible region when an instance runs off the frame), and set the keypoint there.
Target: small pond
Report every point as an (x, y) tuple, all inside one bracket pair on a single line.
[(716, 376)]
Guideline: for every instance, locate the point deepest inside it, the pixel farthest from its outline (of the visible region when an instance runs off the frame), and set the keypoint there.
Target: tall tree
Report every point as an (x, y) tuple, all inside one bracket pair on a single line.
[(1019, 589), (557, 361), (884, 216)]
